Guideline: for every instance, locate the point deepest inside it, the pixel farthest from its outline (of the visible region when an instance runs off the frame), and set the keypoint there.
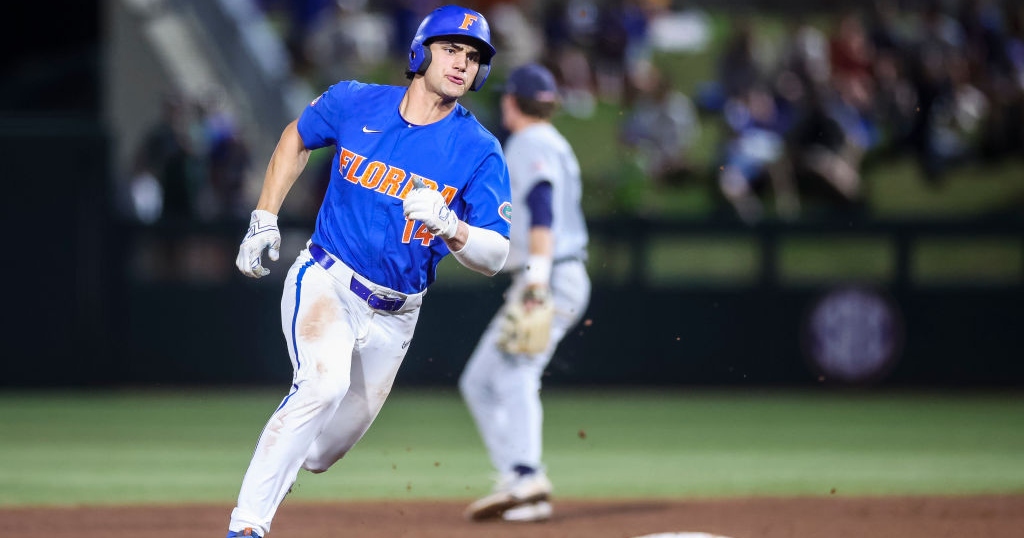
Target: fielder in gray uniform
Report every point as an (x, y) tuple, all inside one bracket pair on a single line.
[(547, 262)]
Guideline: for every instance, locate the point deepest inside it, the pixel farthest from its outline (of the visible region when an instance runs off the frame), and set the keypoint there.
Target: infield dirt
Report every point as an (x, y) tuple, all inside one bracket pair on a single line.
[(826, 517)]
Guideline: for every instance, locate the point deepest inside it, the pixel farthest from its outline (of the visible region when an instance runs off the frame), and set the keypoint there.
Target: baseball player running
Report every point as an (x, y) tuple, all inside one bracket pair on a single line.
[(414, 177), (501, 381)]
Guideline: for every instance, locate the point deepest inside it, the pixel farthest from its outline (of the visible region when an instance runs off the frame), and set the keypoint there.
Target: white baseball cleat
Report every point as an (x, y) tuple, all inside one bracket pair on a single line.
[(511, 490), (529, 513)]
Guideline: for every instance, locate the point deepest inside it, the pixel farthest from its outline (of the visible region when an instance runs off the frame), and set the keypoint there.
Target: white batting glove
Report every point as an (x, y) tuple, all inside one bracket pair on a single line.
[(262, 233), (428, 206)]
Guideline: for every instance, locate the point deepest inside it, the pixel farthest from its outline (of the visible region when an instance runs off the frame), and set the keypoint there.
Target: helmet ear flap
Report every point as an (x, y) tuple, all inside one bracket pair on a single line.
[(425, 63), (481, 77)]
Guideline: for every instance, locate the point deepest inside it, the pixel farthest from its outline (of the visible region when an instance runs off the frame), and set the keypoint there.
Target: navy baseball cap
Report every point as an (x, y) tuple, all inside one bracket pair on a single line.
[(532, 81)]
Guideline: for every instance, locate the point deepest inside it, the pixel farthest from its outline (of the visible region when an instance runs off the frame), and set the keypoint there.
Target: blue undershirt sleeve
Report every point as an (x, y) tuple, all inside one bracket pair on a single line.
[(539, 203)]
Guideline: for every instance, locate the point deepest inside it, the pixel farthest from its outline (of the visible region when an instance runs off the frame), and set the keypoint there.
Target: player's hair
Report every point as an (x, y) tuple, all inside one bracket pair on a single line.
[(537, 109)]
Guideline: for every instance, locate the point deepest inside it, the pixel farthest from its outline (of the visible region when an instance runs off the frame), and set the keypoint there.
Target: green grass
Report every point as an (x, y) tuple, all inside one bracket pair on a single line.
[(898, 189), (193, 446)]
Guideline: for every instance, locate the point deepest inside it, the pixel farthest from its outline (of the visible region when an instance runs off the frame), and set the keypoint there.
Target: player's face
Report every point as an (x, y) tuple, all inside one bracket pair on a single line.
[(453, 66)]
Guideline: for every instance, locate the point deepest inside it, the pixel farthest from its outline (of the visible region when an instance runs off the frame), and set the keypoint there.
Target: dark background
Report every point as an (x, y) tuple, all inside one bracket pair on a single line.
[(76, 316)]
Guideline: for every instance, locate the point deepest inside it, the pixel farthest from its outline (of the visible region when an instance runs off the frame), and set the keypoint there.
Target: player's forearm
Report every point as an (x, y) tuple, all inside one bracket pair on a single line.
[(539, 262), (542, 241), (458, 242), (481, 250), (286, 165)]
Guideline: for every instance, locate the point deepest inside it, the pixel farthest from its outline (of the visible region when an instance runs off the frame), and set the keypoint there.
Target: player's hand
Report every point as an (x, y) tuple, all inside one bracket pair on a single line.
[(536, 296), (526, 328), (262, 233), (428, 206)]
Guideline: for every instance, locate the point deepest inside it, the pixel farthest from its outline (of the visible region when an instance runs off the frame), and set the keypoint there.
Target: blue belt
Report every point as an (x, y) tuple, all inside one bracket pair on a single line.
[(376, 302)]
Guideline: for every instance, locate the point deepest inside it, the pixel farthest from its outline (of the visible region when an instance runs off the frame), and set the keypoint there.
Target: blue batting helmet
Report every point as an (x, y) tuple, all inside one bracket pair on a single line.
[(452, 21)]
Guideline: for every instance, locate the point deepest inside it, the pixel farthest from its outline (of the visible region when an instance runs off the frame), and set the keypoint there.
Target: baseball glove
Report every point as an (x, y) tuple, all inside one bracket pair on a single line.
[(527, 324)]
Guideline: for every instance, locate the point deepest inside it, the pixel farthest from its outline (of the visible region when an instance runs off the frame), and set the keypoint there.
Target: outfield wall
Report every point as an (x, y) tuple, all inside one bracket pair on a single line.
[(745, 337), (110, 320)]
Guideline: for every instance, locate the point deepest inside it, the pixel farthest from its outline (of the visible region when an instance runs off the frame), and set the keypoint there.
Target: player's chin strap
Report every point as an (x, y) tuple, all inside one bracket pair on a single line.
[(484, 252)]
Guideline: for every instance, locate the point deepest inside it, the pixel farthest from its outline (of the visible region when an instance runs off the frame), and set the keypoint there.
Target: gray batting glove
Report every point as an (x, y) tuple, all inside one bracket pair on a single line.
[(262, 233), (428, 206)]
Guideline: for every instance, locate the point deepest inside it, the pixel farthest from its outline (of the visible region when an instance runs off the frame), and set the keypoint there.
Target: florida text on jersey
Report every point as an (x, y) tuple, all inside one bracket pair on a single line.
[(377, 157)]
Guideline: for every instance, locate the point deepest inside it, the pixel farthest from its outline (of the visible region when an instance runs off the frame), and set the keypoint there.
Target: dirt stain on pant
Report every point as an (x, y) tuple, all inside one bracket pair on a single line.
[(320, 315)]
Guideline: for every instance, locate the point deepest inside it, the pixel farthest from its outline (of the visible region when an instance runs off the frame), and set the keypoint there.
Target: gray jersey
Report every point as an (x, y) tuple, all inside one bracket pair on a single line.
[(540, 153)]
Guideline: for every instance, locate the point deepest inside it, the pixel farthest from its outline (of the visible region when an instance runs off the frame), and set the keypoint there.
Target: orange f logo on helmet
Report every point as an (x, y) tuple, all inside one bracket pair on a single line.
[(467, 21)]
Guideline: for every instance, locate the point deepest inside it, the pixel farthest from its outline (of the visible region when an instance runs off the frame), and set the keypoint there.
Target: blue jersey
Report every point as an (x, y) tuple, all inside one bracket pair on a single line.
[(377, 156)]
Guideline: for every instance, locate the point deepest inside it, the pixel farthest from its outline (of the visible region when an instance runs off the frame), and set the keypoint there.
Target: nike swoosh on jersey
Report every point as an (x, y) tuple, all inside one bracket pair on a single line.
[(368, 130)]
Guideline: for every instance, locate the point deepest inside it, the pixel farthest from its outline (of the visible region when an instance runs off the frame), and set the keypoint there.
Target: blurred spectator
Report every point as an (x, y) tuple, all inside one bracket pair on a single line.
[(169, 168), (405, 18), (957, 115), (190, 167), (806, 55), (618, 45), (895, 98), (515, 34), (1014, 118), (295, 18), (940, 41), (821, 155), (569, 30), (661, 128), (941, 80), (737, 70), (344, 41), (754, 161), (851, 101), (229, 163), (851, 57), (820, 150), (988, 31)]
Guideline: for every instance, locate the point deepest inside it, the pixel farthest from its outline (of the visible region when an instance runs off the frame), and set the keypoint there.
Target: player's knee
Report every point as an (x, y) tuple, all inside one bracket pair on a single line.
[(314, 467), (517, 385), (318, 465), (330, 391)]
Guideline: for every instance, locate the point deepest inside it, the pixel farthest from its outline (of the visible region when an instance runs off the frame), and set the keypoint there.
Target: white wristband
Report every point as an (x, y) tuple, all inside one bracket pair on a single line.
[(264, 216), (538, 269)]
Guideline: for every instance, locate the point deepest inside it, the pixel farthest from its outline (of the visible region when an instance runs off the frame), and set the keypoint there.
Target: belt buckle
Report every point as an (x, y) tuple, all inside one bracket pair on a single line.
[(383, 302)]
